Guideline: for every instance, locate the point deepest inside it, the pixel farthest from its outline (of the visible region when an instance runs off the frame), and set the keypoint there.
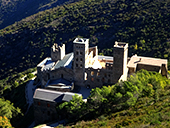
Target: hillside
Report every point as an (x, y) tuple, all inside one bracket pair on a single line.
[(13, 103), (15, 10), (144, 24), (146, 113), (141, 101)]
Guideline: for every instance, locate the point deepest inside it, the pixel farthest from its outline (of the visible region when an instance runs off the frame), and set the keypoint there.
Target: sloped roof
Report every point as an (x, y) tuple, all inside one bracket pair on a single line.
[(69, 96), (48, 95), (134, 60), (47, 64), (65, 62), (105, 57), (53, 96)]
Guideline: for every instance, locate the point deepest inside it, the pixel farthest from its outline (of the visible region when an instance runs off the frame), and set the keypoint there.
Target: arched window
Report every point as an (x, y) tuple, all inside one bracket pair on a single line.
[(61, 75), (85, 76), (92, 73)]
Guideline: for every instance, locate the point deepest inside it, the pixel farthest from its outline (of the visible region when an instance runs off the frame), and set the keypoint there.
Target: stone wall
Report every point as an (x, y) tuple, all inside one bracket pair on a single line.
[(120, 53), (148, 67), (44, 76), (98, 77), (80, 49), (62, 72), (95, 51), (164, 70), (44, 111)]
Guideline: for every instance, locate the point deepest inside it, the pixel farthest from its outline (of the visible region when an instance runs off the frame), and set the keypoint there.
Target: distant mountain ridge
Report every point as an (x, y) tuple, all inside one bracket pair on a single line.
[(12, 11)]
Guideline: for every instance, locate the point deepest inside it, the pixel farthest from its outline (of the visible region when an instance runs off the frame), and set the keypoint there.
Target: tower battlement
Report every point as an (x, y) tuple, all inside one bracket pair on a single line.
[(81, 40), (57, 52), (120, 45)]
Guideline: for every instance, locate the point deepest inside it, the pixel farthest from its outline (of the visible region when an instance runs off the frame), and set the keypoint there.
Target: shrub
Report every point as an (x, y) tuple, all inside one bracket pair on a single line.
[(30, 75), (4, 122)]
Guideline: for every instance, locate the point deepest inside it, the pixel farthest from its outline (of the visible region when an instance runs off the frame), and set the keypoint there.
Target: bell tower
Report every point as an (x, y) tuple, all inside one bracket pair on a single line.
[(120, 53), (81, 50), (57, 52)]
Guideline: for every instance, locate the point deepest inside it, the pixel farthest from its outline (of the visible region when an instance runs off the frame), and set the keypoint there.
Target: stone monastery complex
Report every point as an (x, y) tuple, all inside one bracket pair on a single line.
[(62, 73)]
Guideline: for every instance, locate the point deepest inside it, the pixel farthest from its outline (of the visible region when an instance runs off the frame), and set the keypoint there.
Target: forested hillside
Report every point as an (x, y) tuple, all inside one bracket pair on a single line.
[(144, 24), (12, 11), (13, 104)]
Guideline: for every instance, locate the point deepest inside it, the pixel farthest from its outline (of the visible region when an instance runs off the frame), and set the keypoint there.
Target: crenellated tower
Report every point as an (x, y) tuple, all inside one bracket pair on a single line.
[(57, 52)]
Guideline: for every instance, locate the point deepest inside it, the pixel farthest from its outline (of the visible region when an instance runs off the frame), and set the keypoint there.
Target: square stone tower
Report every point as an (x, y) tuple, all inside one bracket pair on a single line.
[(120, 54), (81, 51), (57, 52)]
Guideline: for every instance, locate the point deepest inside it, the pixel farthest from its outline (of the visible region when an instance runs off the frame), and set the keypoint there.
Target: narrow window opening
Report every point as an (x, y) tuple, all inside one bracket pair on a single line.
[(39, 103), (76, 65), (48, 75), (103, 80), (85, 76), (92, 73), (48, 105)]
